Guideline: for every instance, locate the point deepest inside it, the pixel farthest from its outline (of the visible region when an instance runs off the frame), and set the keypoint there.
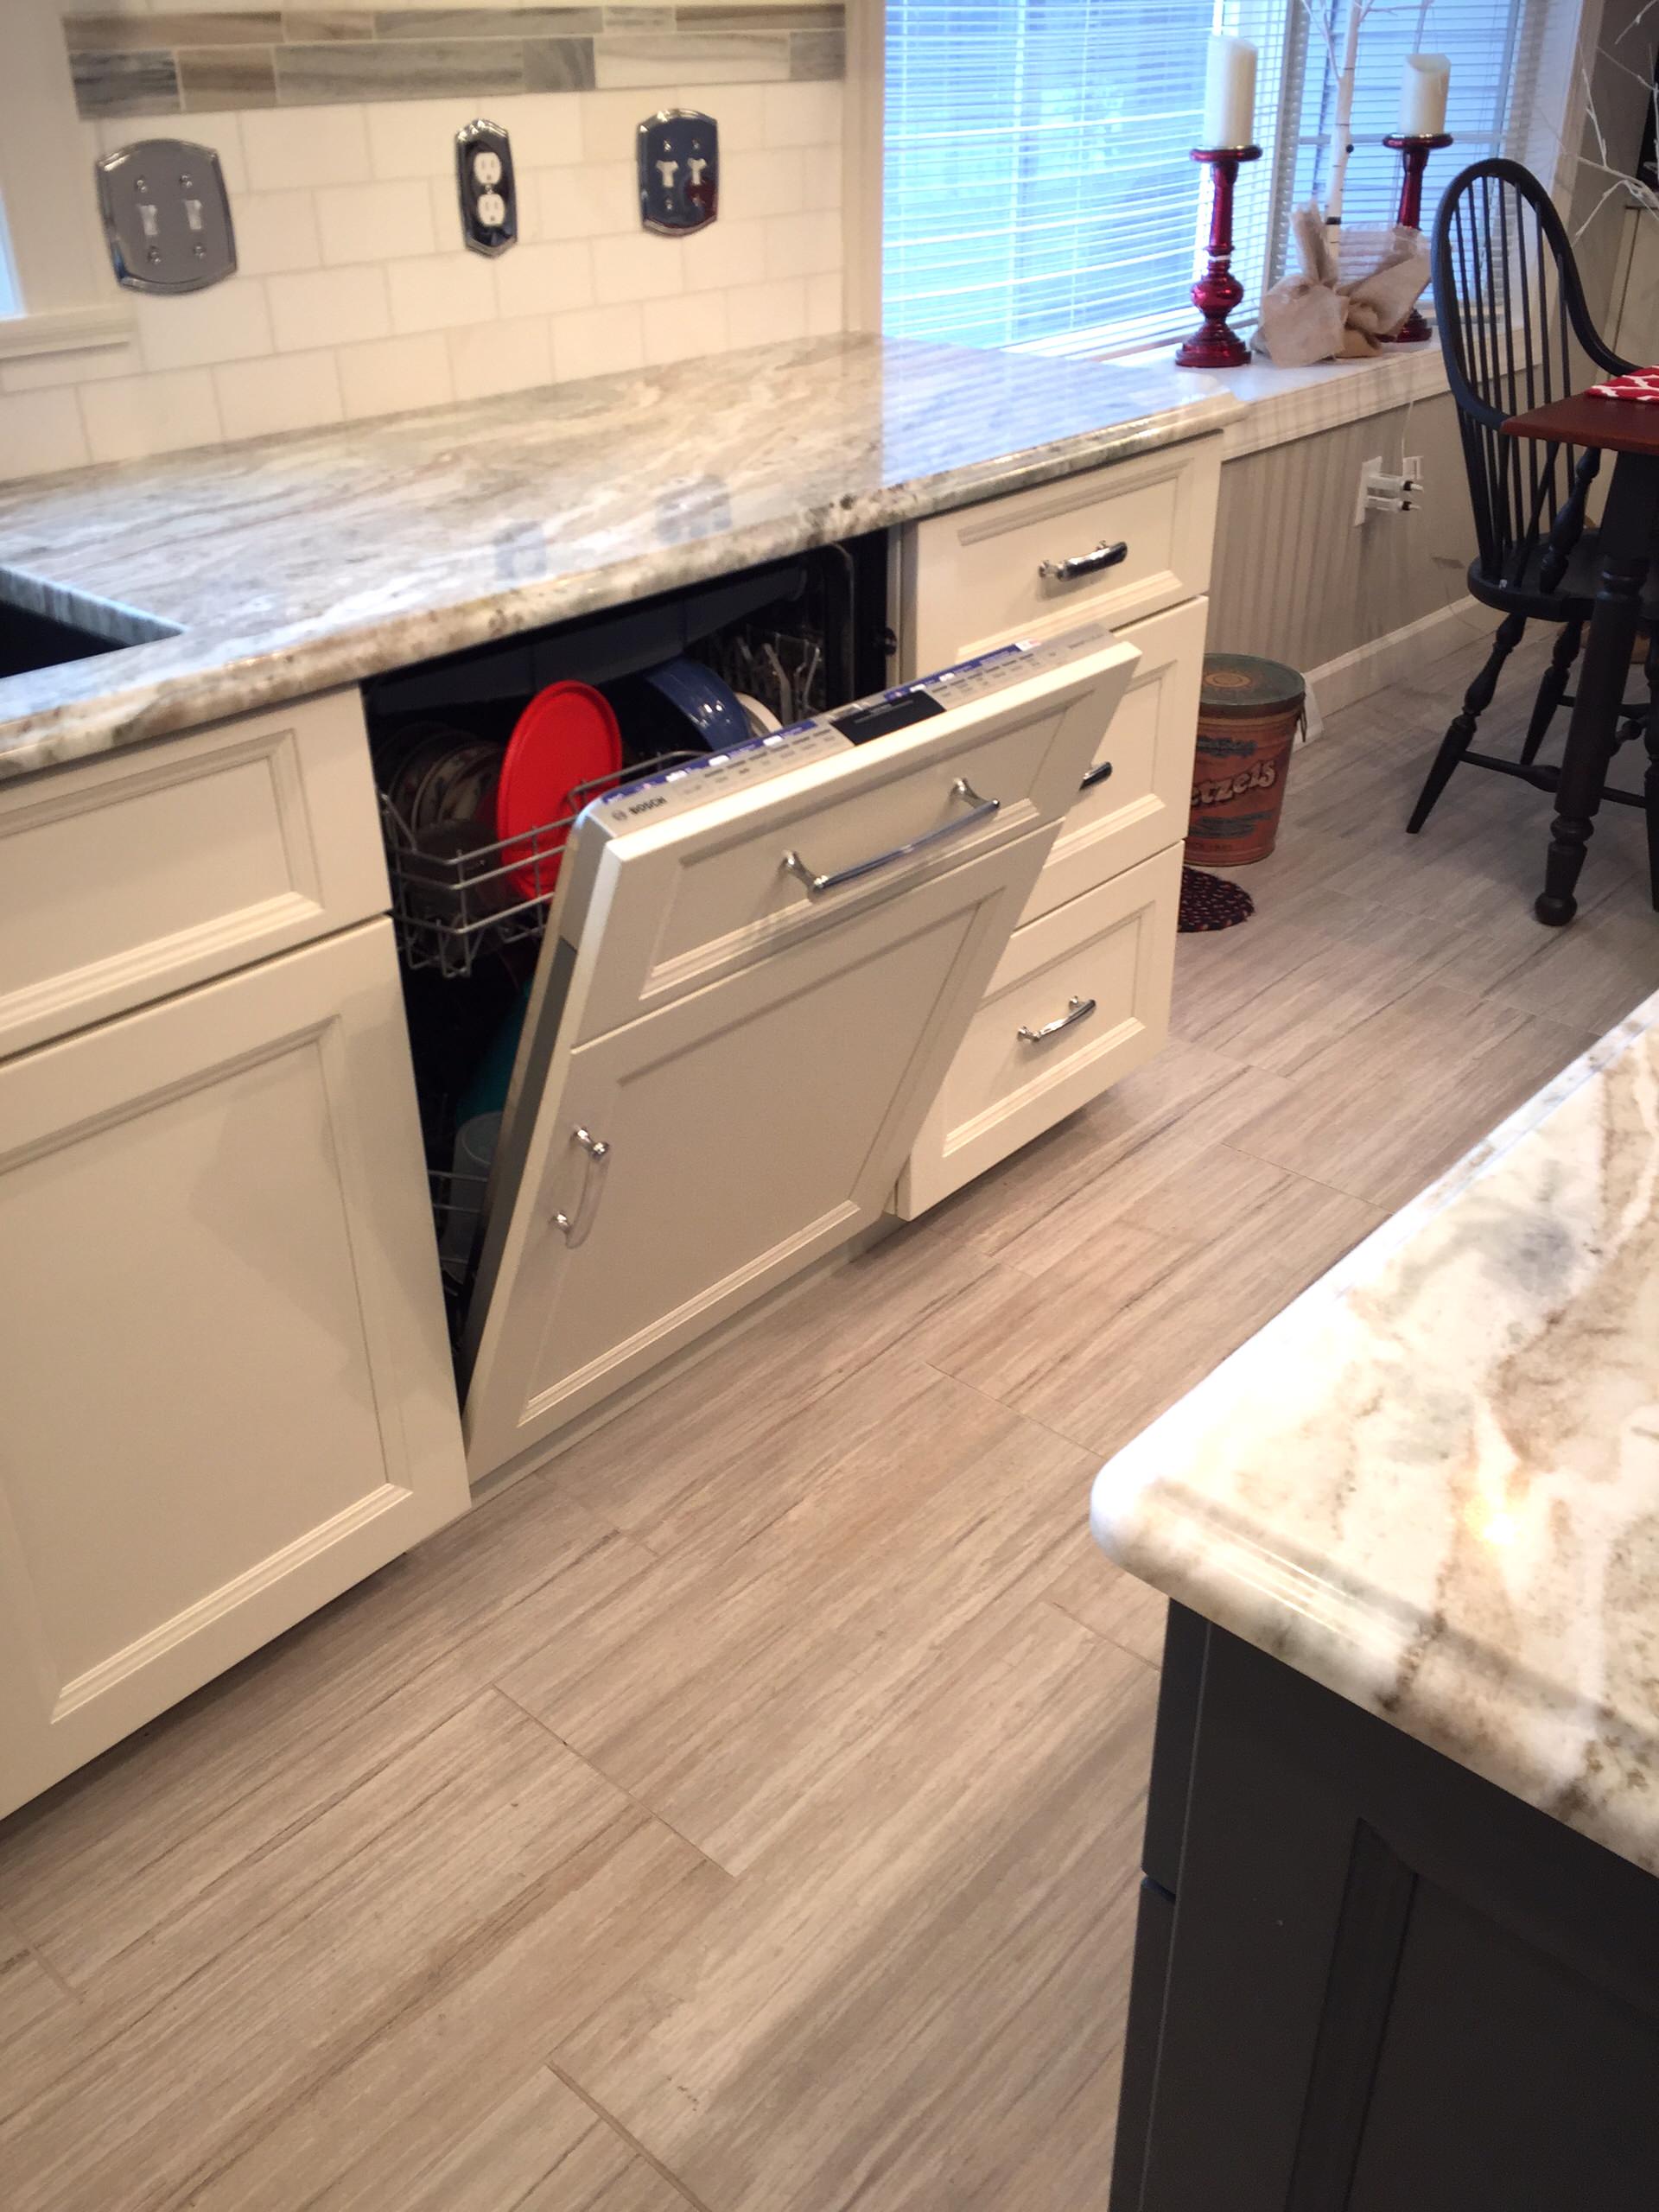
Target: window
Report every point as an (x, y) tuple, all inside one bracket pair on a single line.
[(56, 288), (1038, 186)]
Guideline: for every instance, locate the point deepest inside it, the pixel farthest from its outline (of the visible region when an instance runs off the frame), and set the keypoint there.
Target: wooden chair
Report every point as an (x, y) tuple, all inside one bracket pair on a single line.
[(1515, 333)]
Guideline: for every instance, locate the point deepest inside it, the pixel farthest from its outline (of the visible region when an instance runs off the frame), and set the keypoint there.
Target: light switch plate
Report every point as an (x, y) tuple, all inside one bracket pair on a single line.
[(679, 170), (166, 215), (488, 193)]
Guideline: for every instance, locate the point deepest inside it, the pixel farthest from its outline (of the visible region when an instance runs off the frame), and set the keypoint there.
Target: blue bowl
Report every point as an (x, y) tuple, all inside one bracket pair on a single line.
[(705, 702)]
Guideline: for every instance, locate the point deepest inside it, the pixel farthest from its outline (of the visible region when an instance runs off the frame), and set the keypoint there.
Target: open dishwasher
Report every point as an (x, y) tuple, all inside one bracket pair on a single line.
[(754, 969)]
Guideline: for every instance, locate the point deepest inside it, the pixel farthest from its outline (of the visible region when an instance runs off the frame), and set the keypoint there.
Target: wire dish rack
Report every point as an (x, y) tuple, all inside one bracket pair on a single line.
[(456, 896)]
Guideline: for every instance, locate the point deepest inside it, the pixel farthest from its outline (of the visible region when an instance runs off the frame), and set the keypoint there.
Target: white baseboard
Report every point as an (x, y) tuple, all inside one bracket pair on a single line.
[(1383, 661)]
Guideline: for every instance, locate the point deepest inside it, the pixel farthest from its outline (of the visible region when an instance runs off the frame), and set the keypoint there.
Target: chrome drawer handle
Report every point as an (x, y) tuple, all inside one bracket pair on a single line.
[(1105, 556), (1077, 1010), (576, 1226), (1097, 775), (983, 809)]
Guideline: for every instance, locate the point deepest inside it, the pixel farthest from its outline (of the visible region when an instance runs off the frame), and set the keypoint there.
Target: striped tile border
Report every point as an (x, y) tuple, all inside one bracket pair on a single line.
[(187, 60)]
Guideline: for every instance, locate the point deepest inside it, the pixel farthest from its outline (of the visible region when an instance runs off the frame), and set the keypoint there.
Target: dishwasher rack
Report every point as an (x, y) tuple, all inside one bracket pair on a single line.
[(451, 908)]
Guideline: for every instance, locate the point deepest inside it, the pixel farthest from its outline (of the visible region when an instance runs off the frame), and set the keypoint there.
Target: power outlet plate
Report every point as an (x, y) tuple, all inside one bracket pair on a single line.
[(486, 186), (167, 216), (679, 170)]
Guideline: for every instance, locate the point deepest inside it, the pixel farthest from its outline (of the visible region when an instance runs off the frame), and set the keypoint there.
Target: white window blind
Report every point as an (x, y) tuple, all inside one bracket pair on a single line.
[(1483, 38), (1039, 190)]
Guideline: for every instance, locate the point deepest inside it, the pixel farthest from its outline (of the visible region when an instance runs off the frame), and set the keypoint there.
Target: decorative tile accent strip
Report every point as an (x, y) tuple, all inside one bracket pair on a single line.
[(818, 54), (406, 69), (226, 76), (197, 59), (311, 26), (125, 84)]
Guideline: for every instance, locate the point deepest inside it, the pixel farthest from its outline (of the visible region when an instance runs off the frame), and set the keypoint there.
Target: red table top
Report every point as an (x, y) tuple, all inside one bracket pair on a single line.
[(1616, 425)]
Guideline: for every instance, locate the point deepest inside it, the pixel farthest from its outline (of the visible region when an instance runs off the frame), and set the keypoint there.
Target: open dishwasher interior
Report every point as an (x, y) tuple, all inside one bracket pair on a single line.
[(688, 1053)]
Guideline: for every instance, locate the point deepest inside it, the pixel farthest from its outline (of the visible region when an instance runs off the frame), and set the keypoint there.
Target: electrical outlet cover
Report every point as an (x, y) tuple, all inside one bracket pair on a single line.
[(679, 170), (167, 215), (484, 185)]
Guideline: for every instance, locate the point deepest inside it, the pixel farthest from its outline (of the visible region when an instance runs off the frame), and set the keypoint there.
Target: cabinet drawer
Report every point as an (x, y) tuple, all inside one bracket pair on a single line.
[(1142, 806), (124, 879), (973, 577), (1023, 1064)]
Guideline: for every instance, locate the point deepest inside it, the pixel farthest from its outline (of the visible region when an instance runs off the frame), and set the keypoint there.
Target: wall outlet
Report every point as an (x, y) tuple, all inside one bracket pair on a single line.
[(484, 185)]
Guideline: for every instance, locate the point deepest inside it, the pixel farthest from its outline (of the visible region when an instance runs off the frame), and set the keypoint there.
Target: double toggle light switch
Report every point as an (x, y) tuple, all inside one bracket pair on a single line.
[(679, 170)]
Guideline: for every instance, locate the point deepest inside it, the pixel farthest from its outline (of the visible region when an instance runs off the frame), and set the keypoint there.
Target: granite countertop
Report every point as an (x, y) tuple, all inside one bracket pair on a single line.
[(294, 563), (1432, 1483)]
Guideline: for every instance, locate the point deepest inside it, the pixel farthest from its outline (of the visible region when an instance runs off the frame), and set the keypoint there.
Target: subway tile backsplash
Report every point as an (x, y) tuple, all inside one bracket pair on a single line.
[(193, 61), (353, 295)]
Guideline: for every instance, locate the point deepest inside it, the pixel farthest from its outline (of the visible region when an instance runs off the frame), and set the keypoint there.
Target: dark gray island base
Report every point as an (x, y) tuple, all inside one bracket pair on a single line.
[(1367, 1980)]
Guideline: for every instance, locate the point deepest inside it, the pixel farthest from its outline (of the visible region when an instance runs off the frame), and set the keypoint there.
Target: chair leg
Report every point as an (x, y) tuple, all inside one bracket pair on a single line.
[(1553, 690), (1650, 781), (1461, 735)]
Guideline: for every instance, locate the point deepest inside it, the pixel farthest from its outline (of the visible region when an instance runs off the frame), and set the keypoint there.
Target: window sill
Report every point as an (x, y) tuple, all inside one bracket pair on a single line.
[(65, 330), (1283, 405)]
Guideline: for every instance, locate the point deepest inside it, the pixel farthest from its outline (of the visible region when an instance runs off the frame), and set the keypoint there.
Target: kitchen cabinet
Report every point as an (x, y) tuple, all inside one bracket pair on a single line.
[(148, 870), (1367, 1978), (226, 1387), (1078, 1002), (768, 989)]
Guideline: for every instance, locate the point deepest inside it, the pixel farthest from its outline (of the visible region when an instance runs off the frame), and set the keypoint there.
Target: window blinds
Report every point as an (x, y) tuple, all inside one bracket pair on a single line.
[(1039, 190), (1483, 38)]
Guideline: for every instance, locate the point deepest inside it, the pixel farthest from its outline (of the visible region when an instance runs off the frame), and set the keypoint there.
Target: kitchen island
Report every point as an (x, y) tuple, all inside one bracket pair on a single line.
[(1399, 1939)]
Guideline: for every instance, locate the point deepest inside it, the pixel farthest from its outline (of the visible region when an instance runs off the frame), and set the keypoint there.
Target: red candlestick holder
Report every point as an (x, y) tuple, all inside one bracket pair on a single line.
[(1413, 156), (1218, 292)]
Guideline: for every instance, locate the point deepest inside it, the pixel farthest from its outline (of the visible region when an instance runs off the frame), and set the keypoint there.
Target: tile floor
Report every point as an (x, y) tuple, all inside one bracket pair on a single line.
[(743, 1813)]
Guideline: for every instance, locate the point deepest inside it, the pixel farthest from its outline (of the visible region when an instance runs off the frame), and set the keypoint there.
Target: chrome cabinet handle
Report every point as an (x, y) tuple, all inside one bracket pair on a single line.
[(576, 1226), (1106, 554), (1077, 1010), (1095, 775), (983, 809)]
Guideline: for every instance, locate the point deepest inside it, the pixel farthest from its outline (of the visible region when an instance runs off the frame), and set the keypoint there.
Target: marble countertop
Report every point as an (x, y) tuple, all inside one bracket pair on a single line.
[(294, 563), (1432, 1483)]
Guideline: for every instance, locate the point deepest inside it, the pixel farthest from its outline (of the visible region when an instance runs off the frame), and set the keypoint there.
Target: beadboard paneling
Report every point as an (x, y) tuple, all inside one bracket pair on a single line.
[(1297, 580)]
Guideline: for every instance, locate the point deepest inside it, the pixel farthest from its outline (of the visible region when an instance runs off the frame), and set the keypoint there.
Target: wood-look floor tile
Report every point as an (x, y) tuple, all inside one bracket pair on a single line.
[(1148, 1114), (916, 1998), (490, 1806), (1094, 1591), (724, 1699), (1099, 1344), (374, 2129), (199, 1800), (30, 1997), (1587, 976), (540, 2150), (1385, 1108), (669, 1468), (1091, 1222)]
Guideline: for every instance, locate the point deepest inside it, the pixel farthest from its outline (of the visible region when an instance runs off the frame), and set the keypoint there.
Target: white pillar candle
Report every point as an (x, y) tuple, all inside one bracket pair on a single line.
[(1423, 95), (1229, 94)]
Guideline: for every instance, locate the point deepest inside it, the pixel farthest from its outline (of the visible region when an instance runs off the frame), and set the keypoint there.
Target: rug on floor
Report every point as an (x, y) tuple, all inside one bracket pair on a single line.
[(1209, 902)]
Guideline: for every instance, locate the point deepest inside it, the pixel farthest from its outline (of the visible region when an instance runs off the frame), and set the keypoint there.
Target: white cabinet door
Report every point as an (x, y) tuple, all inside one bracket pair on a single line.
[(226, 1386), (754, 1051), (1079, 999)]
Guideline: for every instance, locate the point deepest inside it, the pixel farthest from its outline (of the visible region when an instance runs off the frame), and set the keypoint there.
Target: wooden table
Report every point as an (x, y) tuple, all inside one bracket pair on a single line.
[(1628, 428)]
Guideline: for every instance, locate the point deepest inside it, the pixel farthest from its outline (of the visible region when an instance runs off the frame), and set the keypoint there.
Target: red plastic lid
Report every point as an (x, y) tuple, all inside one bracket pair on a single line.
[(567, 736)]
